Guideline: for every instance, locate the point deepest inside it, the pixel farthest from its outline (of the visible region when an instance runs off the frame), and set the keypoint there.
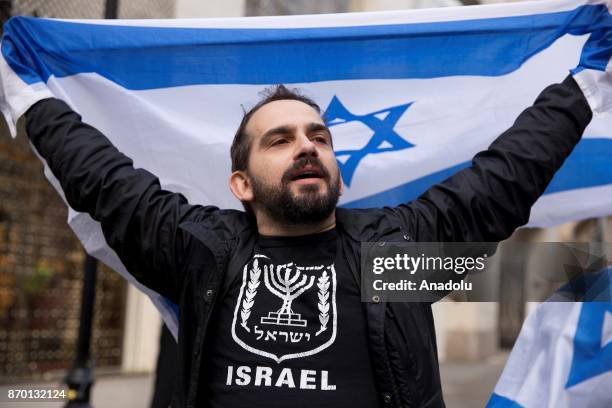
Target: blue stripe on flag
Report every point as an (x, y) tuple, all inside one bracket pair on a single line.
[(497, 401), (587, 166), (173, 306), (157, 57)]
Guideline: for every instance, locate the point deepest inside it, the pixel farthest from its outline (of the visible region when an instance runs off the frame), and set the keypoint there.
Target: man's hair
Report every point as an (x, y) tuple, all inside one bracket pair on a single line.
[(241, 146)]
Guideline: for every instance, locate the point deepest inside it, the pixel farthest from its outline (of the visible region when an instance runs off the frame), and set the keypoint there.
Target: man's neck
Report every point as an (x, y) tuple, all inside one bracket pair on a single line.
[(270, 227)]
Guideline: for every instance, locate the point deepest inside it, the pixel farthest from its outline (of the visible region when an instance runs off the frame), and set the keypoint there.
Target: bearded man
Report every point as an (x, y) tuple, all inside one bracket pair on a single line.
[(269, 298)]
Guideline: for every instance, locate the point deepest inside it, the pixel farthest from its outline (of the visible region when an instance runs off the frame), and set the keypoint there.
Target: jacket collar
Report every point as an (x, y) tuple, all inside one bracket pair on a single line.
[(366, 224), (359, 224)]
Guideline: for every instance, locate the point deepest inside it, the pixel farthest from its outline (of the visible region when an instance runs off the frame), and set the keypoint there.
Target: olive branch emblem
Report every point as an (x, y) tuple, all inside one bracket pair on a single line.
[(323, 305), (249, 296)]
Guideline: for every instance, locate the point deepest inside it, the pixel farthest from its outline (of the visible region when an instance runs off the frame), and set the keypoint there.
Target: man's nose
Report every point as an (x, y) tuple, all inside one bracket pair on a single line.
[(305, 147)]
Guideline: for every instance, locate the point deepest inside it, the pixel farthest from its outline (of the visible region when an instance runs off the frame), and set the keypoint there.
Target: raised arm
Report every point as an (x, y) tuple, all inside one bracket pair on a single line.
[(487, 201), (139, 219)]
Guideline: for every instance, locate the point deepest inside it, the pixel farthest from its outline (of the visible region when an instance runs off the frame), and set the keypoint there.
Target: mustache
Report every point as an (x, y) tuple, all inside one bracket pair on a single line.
[(299, 164)]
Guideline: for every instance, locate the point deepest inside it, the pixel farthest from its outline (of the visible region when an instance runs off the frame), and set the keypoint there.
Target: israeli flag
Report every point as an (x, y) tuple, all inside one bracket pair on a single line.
[(410, 96), (563, 355)]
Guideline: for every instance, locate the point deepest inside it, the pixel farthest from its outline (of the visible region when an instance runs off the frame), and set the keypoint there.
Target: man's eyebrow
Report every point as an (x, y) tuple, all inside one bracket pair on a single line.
[(315, 127), (279, 130)]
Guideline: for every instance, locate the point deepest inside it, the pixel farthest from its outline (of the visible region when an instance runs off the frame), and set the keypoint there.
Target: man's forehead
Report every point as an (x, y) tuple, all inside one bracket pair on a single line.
[(286, 112)]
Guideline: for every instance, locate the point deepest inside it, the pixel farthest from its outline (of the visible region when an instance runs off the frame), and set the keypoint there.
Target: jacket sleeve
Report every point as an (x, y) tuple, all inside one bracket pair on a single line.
[(487, 201), (139, 219)]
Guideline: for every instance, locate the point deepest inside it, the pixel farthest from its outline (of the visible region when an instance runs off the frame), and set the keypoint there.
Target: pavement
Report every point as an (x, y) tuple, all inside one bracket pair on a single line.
[(465, 385), (109, 391), (470, 384)]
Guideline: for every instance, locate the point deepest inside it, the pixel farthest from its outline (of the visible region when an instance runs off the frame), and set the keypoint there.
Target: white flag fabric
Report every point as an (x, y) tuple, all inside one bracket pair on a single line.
[(563, 356), (410, 96)]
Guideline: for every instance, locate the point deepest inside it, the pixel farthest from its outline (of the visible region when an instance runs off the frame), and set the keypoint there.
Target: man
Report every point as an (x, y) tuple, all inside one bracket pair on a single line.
[(269, 299)]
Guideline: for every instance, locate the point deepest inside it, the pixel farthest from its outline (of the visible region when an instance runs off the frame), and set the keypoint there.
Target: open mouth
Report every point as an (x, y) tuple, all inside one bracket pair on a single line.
[(307, 174)]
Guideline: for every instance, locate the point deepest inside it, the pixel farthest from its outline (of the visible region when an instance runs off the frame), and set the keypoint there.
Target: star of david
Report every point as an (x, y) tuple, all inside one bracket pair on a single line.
[(384, 139), (592, 346)]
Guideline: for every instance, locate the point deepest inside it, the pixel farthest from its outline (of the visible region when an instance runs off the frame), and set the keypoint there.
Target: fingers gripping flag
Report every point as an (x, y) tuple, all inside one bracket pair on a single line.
[(410, 96), (594, 72)]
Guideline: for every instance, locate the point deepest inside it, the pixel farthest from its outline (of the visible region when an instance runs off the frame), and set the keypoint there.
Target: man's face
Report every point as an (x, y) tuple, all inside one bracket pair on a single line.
[(292, 167)]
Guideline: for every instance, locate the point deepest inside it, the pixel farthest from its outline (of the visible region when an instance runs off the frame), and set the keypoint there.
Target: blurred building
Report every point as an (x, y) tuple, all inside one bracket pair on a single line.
[(41, 261)]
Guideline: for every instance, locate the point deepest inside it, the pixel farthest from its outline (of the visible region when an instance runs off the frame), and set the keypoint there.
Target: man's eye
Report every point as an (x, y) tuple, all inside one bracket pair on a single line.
[(278, 142), (321, 139)]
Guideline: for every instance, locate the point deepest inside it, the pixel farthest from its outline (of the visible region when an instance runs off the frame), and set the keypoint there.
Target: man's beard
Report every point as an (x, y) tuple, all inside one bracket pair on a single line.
[(310, 207)]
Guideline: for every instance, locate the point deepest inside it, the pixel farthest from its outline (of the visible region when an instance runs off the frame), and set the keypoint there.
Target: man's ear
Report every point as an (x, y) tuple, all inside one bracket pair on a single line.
[(241, 186)]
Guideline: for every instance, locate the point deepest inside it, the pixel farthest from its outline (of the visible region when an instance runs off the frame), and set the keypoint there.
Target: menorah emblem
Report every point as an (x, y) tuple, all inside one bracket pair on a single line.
[(285, 334), (287, 286)]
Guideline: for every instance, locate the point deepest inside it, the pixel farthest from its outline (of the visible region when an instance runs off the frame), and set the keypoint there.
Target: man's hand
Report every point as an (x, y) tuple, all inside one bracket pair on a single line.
[(594, 72)]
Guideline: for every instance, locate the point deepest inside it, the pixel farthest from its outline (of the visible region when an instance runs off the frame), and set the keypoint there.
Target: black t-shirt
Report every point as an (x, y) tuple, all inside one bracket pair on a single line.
[(291, 331)]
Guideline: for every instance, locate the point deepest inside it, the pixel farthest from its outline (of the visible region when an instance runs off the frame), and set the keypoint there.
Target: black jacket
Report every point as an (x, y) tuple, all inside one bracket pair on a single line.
[(186, 251)]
